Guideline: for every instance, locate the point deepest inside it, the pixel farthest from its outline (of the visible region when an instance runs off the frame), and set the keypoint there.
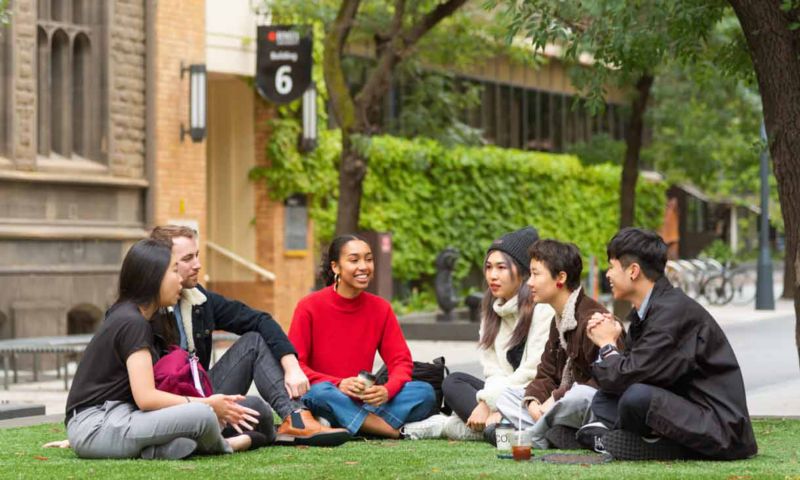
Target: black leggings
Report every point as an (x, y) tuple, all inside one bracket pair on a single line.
[(459, 391)]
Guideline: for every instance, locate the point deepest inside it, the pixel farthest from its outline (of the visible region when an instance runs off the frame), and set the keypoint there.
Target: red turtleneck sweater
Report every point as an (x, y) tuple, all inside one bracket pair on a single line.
[(337, 337)]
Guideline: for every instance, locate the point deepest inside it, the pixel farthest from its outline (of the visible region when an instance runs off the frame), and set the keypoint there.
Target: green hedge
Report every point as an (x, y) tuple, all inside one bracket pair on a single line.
[(432, 197)]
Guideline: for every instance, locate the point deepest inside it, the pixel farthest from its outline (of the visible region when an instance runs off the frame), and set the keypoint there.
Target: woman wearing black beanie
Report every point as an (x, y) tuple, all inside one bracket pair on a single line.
[(513, 333)]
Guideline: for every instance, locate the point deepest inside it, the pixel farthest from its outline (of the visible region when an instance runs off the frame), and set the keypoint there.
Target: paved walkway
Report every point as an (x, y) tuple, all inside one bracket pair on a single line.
[(780, 399)]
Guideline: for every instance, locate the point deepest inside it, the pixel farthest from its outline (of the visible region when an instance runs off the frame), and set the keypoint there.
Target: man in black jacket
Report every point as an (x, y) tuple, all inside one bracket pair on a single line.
[(263, 354), (676, 390)]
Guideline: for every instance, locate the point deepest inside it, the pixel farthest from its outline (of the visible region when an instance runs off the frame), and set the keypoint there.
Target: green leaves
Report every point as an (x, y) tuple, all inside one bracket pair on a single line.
[(433, 196), (5, 13), (624, 38)]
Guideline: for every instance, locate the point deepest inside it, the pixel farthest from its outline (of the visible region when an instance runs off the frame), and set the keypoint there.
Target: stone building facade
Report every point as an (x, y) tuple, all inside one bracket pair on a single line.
[(72, 159), (92, 102)]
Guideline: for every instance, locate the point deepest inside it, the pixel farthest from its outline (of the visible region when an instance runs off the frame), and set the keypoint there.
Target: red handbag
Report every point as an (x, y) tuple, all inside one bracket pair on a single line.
[(180, 372)]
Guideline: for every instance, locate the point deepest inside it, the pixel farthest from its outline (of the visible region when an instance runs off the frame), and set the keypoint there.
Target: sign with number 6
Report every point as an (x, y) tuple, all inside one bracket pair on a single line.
[(283, 62)]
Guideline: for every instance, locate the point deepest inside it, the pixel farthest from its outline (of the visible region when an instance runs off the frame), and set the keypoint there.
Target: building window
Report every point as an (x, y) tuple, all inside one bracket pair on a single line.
[(71, 105)]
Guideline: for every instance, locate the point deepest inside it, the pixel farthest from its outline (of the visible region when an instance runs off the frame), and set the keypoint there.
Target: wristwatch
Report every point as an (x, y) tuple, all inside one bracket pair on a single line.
[(606, 350)]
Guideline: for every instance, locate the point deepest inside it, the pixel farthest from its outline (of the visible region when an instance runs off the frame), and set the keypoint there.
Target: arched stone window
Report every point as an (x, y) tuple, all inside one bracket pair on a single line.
[(60, 90), (71, 95), (82, 125), (43, 90)]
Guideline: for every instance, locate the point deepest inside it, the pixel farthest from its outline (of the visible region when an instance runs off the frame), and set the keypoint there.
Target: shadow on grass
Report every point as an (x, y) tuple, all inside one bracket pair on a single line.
[(21, 456)]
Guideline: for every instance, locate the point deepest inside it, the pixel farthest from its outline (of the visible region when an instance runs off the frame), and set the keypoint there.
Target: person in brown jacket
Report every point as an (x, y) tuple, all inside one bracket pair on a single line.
[(557, 401)]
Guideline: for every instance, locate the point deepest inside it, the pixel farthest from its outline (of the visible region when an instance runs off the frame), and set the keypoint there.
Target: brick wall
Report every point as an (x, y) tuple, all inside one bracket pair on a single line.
[(180, 167), (295, 275)]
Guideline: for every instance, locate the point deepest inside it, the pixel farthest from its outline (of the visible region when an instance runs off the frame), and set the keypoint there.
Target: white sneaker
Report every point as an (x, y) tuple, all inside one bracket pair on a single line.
[(431, 427), (456, 429)]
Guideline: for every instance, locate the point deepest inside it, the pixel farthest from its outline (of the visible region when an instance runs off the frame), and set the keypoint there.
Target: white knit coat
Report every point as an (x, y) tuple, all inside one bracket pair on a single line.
[(497, 371)]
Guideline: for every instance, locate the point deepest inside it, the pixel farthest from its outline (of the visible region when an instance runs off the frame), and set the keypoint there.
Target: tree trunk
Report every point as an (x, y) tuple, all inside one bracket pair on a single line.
[(633, 149), (361, 114), (352, 169), (630, 167), (775, 51), (788, 276)]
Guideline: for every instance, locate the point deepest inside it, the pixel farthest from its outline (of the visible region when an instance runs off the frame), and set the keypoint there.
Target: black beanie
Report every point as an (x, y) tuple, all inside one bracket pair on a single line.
[(516, 245)]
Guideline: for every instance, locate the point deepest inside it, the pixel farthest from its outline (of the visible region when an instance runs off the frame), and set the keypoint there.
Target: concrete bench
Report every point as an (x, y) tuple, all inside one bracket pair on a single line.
[(62, 347)]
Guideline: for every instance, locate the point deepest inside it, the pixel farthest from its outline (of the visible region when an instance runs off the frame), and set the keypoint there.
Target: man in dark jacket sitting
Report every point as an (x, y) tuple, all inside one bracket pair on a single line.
[(676, 390), (263, 354)]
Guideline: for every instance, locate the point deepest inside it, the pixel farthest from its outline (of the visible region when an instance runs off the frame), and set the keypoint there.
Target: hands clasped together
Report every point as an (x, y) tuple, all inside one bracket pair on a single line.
[(603, 329)]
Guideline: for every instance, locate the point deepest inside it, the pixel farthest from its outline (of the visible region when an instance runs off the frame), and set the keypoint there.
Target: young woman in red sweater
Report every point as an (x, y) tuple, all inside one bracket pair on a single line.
[(337, 331)]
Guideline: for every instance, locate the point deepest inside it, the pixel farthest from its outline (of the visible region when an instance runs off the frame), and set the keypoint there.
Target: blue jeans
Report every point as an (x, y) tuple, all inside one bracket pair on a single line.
[(412, 403)]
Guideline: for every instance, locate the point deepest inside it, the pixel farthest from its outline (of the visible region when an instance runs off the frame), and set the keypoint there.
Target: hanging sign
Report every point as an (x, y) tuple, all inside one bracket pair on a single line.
[(283, 62)]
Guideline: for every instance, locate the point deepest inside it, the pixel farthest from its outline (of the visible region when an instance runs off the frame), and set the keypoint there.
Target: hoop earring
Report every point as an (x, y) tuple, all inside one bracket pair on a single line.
[(336, 281)]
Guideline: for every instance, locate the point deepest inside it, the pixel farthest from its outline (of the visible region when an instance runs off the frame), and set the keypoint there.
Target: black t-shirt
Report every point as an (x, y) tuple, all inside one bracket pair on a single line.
[(102, 374)]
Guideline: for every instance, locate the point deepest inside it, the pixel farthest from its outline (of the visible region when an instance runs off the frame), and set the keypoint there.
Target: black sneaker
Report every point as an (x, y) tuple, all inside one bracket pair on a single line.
[(591, 435), (625, 445), (563, 438)]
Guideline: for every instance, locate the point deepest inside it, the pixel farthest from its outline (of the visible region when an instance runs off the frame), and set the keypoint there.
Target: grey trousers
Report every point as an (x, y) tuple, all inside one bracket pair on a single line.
[(120, 430), (573, 410), (250, 360)]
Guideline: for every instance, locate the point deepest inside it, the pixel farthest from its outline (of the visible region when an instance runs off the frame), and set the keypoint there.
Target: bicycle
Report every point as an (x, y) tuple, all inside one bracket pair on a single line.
[(730, 285)]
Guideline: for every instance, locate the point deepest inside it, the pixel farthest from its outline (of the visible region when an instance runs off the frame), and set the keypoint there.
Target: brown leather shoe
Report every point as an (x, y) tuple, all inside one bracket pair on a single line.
[(301, 428)]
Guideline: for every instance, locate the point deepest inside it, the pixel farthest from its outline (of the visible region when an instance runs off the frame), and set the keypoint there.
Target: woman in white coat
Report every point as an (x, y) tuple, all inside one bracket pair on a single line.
[(513, 334)]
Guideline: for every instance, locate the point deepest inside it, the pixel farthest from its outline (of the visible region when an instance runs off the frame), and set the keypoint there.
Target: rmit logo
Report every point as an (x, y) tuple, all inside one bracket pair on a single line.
[(284, 37)]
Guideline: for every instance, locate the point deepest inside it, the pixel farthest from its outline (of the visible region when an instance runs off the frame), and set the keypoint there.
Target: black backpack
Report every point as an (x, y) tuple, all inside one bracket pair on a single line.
[(432, 373)]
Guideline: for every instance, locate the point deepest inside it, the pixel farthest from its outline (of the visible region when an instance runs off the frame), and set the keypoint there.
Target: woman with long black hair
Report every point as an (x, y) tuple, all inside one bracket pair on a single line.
[(114, 409), (512, 336)]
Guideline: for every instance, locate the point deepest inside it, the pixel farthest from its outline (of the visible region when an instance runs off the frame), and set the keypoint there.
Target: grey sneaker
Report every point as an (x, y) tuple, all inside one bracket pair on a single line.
[(176, 449), (456, 429), (431, 427)]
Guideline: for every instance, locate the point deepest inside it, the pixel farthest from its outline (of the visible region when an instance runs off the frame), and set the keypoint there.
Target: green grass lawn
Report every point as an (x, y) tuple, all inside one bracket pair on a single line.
[(22, 457)]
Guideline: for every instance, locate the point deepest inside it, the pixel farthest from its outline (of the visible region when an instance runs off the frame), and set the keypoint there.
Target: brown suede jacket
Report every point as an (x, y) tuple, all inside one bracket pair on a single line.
[(579, 348)]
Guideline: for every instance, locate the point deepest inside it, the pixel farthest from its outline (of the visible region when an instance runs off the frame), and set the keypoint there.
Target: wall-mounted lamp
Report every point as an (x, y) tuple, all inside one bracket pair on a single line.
[(308, 141), (197, 102)]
